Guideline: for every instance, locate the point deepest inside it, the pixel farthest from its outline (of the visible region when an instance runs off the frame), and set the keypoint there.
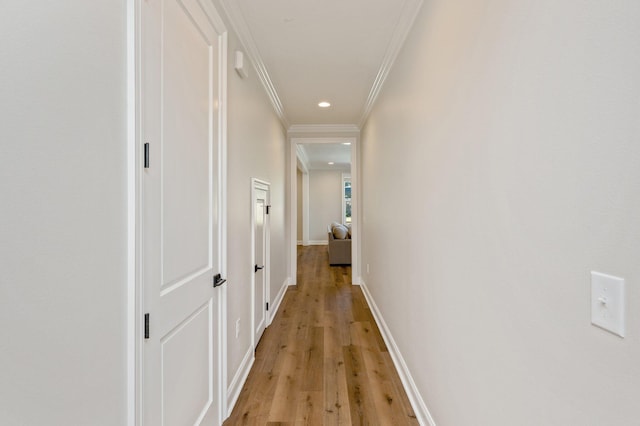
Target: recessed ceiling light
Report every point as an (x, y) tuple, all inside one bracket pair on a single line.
[(346, 143), (331, 163), (324, 104)]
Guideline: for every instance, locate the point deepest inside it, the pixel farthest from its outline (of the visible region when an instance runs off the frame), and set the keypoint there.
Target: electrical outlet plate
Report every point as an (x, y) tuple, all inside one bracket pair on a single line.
[(607, 302)]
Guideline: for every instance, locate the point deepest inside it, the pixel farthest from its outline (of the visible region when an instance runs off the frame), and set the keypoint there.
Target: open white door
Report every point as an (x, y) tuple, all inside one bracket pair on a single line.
[(180, 203), (260, 225)]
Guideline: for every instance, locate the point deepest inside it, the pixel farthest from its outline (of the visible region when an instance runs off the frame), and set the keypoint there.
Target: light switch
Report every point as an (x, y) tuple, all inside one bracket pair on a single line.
[(607, 302)]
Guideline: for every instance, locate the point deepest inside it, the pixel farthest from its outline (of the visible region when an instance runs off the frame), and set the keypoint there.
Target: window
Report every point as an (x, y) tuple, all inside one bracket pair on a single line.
[(346, 198)]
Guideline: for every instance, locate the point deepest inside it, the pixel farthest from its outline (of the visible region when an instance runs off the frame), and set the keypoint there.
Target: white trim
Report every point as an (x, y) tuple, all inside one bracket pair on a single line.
[(293, 211), (235, 387), (303, 166), (239, 24), (134, 301), (318, 243), (299, 242), (323, 128), (405, 22), (237, 21), (356, 196), (322, 139), (303, 158), (419, 407), (239, 379), (293, 198), (273, 310), (222, 342), (305, 209)]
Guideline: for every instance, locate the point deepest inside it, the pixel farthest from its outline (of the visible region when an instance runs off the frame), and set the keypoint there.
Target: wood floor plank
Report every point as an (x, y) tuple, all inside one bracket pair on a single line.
[(309, 409), (397, 384), (336, 393), (283, 406), (385, 398), (313, 362), (322, 361), (363, 411)]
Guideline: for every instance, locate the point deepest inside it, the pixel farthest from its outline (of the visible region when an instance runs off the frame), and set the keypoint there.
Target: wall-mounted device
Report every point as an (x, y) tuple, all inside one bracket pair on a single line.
[(240, 66)]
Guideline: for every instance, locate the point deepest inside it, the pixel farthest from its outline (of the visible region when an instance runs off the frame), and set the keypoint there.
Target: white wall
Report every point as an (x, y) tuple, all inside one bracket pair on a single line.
[(325, 202), (256, 148), (517, 130), (63, 242)]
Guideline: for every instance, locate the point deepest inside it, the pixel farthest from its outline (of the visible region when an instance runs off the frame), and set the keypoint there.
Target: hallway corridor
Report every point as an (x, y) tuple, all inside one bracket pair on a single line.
[(322, 361)]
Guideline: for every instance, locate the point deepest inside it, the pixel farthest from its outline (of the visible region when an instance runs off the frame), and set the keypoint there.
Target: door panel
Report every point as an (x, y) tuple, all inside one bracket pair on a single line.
[(260, 240), (260, 297), (186, 112), (185, 357), (180, 51)]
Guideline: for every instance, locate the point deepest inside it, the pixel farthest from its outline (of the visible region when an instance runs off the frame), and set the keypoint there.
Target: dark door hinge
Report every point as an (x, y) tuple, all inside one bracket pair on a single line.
[(267, 306), (146, 326), (146, 155), (268, 208)]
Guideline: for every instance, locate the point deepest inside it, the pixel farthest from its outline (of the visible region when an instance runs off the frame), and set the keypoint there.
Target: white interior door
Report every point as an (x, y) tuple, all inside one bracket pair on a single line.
[(180, 208), (261, 267)]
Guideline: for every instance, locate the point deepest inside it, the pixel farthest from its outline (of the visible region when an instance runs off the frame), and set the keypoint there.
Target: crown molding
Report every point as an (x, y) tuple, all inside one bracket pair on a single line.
[(323, 129), (239, 25), (303, 158), (405, 22)]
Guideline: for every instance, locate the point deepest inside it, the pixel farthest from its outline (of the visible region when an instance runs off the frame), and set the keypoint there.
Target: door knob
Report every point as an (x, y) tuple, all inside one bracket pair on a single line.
[(257, 268)]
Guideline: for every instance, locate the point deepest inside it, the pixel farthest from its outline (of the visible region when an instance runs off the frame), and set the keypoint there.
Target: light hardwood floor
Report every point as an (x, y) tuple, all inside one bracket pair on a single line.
[(322, 361)]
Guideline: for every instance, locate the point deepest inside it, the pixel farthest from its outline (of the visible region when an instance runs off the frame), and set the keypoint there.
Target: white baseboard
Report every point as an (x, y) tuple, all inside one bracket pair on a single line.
[(278, 299), (421, 411), (318, 242), (299, 242), (235, 387), (356, 280)]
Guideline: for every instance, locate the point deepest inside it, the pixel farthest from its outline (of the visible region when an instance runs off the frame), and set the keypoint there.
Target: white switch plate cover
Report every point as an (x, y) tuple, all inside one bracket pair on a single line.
[(607, 302)]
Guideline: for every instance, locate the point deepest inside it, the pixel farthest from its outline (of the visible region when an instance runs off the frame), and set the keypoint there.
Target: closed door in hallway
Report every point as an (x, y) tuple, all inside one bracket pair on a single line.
[(261, 258), (180, 211)]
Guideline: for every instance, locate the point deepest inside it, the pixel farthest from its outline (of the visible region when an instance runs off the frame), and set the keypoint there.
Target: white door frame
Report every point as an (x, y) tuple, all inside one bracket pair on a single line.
[(135, 155), (302, 166), (134, 281), (293, 205), (266, 186)]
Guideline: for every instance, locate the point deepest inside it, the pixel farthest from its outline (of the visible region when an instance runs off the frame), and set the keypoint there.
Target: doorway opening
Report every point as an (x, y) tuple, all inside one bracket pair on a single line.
[(324, 190)]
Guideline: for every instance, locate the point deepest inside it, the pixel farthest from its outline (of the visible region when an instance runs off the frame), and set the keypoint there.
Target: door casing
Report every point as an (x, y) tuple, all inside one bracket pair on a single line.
[(355, 205)]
